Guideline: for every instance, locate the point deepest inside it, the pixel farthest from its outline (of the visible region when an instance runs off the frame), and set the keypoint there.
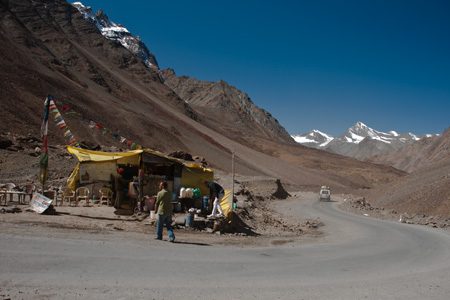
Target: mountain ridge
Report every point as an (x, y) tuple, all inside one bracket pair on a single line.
[(219, 100), (49, 47), (117, 32), (359, 141)]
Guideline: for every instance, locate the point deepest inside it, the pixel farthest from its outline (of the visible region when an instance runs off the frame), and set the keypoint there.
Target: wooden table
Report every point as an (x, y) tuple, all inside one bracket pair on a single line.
[(11, 195)]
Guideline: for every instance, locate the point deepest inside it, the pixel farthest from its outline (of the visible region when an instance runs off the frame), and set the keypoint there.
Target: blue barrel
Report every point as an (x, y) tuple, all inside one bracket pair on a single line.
[(189, 220), (205, 202)]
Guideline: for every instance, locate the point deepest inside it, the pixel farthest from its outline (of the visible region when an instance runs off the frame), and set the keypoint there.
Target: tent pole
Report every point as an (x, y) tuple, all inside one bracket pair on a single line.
[(232, 178)]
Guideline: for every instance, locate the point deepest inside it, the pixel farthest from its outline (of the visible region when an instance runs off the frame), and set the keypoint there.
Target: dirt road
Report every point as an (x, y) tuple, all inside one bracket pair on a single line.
[(357, 258)]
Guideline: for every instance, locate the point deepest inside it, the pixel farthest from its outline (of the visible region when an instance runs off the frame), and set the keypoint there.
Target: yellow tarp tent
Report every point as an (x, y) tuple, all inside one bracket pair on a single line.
[(90, 155), (192, 175)]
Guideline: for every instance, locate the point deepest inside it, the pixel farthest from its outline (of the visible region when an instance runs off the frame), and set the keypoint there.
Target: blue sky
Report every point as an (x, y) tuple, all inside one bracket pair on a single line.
[(311, 64)]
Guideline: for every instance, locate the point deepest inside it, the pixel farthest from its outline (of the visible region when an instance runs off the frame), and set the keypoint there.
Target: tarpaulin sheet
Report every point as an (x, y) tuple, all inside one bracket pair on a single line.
[(227, 204), (89, 155), (193, 176), (72, 181)]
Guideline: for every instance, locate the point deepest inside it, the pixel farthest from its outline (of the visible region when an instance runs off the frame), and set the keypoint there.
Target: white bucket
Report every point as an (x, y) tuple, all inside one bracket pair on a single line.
[(153, 215), (189, 192)]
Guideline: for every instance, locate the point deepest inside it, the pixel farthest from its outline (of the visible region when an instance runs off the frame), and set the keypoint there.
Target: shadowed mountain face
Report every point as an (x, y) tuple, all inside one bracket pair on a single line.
[(221, 103), (48, 47)]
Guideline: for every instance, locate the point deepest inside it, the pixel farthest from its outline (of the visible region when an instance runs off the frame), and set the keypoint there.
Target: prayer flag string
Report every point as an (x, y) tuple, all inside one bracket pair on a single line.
[(59, 120)]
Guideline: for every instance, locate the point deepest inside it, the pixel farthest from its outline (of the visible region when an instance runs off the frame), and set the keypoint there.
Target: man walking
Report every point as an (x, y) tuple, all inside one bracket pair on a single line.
[(218, 192), (163, 207)]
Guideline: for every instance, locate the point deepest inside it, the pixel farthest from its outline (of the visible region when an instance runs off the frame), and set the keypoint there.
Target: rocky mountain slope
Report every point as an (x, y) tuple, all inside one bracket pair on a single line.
[(109, 96), (220, 101), (117, 32), (424, 192), (413, 157)]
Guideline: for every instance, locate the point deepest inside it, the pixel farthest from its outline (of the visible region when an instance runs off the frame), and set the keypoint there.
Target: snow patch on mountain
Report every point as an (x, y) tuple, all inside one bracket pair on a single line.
[(117, 32), (351, 142), (316, 137)]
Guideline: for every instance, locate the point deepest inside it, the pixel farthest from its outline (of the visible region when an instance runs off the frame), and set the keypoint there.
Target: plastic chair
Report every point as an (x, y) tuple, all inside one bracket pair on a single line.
[(82, 193), (2, 195), (28, 190), (105, 195), (8, 187), (68, 195)]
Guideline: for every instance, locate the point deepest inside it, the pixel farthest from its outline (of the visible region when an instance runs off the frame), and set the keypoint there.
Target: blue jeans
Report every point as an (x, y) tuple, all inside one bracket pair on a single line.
[(164, 219)]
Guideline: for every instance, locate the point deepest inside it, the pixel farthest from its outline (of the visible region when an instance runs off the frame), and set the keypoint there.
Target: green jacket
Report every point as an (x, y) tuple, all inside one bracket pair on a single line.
[(164, 202)]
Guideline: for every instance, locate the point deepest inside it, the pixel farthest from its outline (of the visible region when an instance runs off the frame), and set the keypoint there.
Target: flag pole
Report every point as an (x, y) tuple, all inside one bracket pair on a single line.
[(232, 178), (43, 160)]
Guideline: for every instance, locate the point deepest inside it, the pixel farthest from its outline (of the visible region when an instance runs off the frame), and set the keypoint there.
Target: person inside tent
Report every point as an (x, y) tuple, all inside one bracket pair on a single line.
[(120, 184)]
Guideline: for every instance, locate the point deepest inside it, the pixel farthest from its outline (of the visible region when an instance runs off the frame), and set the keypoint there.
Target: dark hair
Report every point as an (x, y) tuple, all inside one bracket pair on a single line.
[(164, 184), (205, 182)]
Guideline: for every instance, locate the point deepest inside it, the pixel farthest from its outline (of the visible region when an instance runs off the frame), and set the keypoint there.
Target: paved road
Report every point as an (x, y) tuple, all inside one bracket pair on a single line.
[(360, 258)]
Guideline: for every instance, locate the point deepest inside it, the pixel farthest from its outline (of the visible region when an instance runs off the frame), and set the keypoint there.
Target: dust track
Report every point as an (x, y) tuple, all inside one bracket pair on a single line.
[(356, 258)]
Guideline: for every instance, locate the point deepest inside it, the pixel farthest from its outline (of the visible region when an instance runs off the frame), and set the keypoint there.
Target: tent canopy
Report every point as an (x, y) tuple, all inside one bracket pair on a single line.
[(90, 155), (192, 174)]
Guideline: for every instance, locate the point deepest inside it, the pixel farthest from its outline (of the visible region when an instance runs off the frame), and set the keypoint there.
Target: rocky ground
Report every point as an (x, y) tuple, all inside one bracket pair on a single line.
[(255, 222), (360, 206)]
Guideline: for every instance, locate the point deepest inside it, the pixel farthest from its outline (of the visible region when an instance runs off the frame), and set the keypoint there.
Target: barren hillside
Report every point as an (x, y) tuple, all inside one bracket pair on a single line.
[(425, 192), (49, 48), (417, 155), (114, 101)]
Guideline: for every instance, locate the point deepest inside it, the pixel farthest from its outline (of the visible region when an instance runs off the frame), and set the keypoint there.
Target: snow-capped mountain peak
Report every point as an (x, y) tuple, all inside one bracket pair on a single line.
[(359, 141), (117, 32), (314, 137)]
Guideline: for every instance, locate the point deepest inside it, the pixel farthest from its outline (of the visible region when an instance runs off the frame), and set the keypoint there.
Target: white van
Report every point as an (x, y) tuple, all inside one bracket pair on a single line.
[(325, 193)]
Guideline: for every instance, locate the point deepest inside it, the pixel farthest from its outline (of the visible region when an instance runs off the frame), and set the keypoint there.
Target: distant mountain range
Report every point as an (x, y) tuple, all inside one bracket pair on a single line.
[(87, 63), (211, 98), (359, 141)]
